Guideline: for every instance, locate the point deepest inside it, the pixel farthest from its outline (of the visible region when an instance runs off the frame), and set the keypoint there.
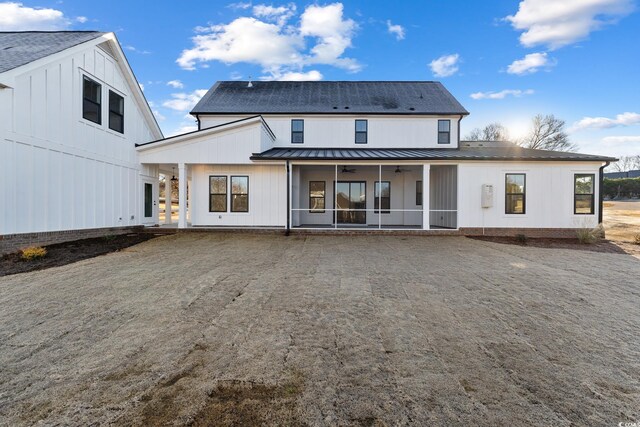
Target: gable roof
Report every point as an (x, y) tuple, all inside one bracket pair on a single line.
[(19, 48), (501, 153), (329, 97)]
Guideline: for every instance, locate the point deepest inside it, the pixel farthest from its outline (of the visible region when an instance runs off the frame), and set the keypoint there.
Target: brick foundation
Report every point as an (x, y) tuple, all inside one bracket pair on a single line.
[(15, 242), (555, 233)]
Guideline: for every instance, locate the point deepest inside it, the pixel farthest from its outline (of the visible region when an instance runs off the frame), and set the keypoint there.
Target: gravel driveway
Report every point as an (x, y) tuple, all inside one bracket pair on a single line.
[(217, 329)]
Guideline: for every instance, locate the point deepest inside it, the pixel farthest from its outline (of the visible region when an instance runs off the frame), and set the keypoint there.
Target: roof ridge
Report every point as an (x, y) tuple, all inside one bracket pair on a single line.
[(52, 31)]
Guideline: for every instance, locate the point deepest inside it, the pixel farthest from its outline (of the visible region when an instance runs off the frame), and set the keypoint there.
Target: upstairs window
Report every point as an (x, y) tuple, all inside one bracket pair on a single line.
[(297, 131), (217, 194), (361, 131), (444, 131), (116, 112), (515, 193), (583, 194), (239, 194), (382, 199), (91, 100)]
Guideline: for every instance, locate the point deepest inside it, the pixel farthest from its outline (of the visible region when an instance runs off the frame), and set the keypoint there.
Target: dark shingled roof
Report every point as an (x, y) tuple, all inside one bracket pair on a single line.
[(22, 47), (464, 153), (326, 97)]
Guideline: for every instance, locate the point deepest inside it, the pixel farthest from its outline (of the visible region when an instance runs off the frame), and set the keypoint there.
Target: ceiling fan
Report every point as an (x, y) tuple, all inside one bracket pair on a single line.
[(398, 170), (345, 170)]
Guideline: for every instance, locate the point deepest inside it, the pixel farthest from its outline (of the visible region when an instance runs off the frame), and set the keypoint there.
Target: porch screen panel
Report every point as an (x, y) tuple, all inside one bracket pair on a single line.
[(317, 196), (382, 200), (217, 194), (239, 194), (443, 196)]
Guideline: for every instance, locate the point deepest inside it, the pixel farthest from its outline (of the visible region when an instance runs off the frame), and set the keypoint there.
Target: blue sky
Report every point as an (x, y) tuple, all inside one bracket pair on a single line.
[(505, 61)]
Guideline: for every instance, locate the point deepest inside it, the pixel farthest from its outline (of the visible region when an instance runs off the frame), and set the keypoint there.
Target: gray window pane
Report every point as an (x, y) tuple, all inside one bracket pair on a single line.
[(218, 184), (239, 185), (584, 184), (443, 137), (296, 137), (584, 204), (218, 203), (240, 203), (361, 125), (297, 125), (515, 183), (444, 125), (361, 137), (515, 204)]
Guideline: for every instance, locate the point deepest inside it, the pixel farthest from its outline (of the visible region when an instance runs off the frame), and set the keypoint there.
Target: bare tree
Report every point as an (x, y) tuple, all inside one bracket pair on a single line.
[(626, 163), (491, 132), (548, 133)]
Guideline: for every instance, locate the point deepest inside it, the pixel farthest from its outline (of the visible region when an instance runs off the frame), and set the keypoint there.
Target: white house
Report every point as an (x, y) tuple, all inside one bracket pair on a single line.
[(71, 112), (369, 156)]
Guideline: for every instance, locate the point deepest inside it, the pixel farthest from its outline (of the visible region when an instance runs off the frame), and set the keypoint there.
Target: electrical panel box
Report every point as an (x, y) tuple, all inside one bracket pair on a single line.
[(487, 195)]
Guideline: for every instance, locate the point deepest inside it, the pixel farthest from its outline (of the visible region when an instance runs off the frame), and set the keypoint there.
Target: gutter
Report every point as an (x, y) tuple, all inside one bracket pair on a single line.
[(459, 120), (601, 195), (288, 229)]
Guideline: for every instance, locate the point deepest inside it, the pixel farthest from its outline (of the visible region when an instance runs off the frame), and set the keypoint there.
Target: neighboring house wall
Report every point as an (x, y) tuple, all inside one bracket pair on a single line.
[(62, 172), (549, 194), (339, 131)]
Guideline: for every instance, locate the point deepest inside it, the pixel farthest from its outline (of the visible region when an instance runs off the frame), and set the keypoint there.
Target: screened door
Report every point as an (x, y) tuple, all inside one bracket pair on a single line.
[(351, 199)]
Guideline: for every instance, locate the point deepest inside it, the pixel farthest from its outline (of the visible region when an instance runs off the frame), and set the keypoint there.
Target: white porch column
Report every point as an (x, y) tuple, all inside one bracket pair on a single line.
[(167, 199), (182, 195), (426, 169)]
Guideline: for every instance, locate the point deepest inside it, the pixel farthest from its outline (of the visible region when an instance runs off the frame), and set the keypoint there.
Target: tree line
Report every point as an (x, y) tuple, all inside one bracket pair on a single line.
[(547, 132)]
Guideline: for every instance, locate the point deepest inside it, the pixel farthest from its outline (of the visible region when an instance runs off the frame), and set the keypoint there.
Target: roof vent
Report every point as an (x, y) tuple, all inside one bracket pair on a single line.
[(346, 108), (412, 108), (335, 108), (250, 84)]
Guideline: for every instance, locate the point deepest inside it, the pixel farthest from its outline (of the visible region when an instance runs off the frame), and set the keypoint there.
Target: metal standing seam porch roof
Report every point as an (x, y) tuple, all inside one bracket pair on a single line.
[(464, 153), (329, 97), (18, 48)]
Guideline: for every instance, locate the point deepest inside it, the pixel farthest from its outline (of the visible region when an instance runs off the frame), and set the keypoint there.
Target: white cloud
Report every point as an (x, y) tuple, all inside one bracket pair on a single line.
[(184, 101), (445, 66), (530, 64), (276, 47), (158, 115), (502, 94), (183, 128), (16, 17), (624, 119), (312, 75), (621, 139), (81, 19), (278, 14), (136, 50), (239, 5), (555, 23), (176, 84), (141, 86), (395, 29)]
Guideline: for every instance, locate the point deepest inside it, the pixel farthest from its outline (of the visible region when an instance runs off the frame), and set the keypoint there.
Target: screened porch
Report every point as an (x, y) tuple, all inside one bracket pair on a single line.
[(374, 196)]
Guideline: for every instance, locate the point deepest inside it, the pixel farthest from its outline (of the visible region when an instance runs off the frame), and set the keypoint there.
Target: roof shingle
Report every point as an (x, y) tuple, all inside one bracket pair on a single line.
[(22, 47), (329, 97)]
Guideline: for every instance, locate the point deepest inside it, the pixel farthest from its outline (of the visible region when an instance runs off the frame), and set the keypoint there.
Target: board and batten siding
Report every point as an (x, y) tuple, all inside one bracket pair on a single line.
[(549, 194), (339, 131), (267, 196), (58, 170)]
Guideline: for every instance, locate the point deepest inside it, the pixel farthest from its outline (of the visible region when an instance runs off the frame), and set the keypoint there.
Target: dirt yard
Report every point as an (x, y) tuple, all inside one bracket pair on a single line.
[(622, 219), (222, 329)]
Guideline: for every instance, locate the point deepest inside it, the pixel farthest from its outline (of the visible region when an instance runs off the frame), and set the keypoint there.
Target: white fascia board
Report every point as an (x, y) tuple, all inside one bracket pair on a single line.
[(188, 137), (135, 86)]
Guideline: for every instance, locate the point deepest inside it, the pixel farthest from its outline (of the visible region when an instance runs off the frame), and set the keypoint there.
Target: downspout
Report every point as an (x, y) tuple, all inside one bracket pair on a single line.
[(286, 232), (459, 120), (601, 191), (198, 120)]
